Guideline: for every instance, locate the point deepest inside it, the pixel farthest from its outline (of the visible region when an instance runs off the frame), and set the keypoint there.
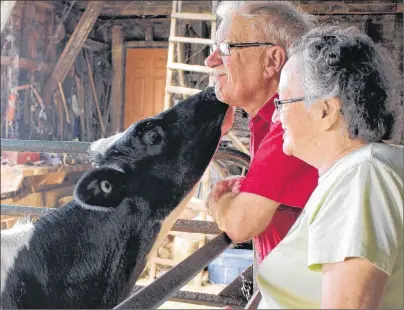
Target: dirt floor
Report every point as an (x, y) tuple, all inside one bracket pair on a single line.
[(207, 288)]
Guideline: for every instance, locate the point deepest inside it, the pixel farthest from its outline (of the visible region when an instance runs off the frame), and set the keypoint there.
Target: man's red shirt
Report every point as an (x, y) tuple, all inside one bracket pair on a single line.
[(274, 175)]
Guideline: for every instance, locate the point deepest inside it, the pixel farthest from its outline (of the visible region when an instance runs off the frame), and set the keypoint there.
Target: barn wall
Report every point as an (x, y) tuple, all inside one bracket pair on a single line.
[(33, 33)]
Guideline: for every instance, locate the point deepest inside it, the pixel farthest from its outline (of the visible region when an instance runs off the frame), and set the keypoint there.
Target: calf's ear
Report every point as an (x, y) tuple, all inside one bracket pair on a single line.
[(102, 187)]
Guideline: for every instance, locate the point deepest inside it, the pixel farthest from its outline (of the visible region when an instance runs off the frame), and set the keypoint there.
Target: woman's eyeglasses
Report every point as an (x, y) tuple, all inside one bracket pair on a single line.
[(278, 103), (225, 47)]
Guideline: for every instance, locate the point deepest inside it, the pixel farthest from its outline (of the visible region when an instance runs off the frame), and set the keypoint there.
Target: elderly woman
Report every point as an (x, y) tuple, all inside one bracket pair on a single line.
[(337, 98)]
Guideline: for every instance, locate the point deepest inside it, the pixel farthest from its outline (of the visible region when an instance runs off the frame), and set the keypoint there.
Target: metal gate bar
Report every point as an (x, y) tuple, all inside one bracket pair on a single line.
[(204, 299), (190, 226), (23, 210), (156, 293), (45, 146)]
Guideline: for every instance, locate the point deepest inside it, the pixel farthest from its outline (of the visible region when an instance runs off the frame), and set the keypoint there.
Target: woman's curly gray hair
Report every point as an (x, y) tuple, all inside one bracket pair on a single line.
[(347, 64)]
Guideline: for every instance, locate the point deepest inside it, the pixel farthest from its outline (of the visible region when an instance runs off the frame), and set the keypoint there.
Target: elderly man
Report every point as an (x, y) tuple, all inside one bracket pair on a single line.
[(252, 42)]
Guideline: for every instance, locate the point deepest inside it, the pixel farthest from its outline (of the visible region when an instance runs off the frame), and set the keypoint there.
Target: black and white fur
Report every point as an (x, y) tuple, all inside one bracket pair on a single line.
[(90, 252)]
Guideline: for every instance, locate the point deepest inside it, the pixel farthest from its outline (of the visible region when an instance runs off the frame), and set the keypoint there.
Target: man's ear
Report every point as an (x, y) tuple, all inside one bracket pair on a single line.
[(329, 112), (275, 59), (102, 187)]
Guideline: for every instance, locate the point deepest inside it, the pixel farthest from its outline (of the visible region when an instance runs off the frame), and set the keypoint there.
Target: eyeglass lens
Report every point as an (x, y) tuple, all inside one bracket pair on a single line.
[(223, 48)]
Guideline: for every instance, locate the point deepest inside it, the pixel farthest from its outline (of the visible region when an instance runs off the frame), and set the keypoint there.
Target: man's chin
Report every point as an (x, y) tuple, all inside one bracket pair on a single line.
[(286, 149), (221, 95)]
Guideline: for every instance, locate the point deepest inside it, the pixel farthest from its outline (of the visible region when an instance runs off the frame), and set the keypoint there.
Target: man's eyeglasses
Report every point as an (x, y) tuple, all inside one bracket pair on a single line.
[(224, 47), (278, 103)]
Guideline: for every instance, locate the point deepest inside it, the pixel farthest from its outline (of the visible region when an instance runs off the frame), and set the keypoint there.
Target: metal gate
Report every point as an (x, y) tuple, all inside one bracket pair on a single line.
[(167, 286)]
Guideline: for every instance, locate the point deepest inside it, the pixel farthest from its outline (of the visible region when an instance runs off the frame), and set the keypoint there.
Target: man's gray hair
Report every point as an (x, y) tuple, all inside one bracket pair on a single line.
[(279, 22), (347, 64)]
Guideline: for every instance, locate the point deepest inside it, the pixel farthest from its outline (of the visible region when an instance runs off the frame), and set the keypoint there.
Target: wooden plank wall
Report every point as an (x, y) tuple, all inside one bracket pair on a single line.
[(32, 43)]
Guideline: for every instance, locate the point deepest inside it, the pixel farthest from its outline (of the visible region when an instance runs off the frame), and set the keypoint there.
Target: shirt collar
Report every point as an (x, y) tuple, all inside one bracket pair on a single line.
[(267, 110)]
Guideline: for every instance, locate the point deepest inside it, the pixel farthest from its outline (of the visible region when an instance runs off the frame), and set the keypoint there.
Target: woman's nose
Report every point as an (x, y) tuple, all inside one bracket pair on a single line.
[(214, 59), (275, 116)]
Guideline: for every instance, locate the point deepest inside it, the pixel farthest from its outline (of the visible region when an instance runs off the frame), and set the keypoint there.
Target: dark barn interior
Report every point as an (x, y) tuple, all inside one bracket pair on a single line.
[(63, 65)]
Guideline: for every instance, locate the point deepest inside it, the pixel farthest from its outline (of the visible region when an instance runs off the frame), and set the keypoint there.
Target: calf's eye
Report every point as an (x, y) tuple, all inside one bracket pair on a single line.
[(106, 187)]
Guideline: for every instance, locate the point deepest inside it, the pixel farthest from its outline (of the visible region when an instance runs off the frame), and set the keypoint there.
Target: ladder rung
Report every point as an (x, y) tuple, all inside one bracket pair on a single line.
[(190, 40), (182, 90), (191, 68), (194, 16)]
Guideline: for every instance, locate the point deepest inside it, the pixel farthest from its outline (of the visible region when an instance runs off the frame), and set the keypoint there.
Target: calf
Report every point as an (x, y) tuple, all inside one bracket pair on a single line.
[(90, 252)]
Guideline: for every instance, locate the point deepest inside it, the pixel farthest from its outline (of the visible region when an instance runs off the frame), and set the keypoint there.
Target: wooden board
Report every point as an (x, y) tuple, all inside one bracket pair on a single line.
[(117, 92), (73, 47), (145, 82)]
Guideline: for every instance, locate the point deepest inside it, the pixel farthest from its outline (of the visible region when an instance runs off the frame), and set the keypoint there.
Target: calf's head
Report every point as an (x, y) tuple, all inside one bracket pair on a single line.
[(158, 159)]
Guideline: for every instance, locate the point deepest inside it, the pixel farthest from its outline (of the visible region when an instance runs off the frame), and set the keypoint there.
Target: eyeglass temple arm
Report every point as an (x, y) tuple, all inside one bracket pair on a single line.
[(249, 44), (290, 100)]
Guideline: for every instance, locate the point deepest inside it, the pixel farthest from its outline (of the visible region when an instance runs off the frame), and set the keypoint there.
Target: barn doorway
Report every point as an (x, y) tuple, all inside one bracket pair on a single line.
[(145, 83)]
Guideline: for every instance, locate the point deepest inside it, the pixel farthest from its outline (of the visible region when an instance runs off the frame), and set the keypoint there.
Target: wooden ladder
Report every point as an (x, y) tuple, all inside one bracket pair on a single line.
[(175, 41), (177, 62)]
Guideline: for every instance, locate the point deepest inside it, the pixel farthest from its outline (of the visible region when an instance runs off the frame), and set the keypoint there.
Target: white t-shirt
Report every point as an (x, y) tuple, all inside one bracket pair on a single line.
[(355, 211)]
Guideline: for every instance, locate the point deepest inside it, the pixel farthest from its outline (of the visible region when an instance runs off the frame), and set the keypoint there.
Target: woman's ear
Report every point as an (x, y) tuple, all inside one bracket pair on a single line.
[(330, 110), (275, 59)]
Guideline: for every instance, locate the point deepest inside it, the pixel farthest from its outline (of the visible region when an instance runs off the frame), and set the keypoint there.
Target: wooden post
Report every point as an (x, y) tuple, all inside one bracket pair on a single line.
[(118, 81), (170, 59), (29, 17), (180, 50), (97, 104), (73, 47), (25, 76), (6, 10)]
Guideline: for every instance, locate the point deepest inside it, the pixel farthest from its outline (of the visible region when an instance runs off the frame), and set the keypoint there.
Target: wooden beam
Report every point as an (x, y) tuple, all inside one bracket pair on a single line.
[(6, 11), (73, 47), (93, 45), (97, 104), (151, 44), (132, 8), (343, 8), (126, 8), (62, 95), (45, 4), (28, 64), (117, 92), (29, 17)]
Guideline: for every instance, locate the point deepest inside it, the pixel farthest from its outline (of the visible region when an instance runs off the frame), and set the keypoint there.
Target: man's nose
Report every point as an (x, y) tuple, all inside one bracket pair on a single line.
[(214, 59), (275, 116)]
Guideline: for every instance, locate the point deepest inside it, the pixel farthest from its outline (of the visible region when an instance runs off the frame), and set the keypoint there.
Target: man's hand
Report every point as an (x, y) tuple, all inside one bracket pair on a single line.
[(241, 215), (229, 185)]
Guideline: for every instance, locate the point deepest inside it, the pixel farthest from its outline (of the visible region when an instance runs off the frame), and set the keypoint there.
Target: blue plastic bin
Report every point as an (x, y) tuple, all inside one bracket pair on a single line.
[(229, 265)]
